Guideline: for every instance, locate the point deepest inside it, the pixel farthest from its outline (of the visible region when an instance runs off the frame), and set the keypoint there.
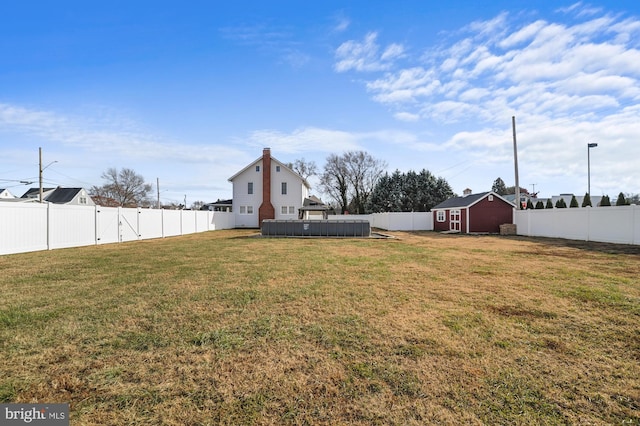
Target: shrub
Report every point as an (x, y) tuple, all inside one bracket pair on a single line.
[(587, 200), (560, 204), (549, 204), (574, 202), (539, 205), (621, 201), (605, 201), (529, 204)]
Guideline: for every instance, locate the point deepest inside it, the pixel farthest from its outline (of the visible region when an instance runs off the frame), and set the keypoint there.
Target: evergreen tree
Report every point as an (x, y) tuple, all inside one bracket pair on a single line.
[(529, 204), (405, 192), (499, 187), (605, 201), (561, 204), (549, 204), (539, 205), (621, 200), (574, 202), (587, 200)]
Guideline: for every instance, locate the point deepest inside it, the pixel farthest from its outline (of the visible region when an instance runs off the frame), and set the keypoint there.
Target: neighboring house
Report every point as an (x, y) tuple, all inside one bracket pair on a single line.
[(72, 196), (267, 189), (219, 206), (5, 193), (473, 213), (34, 193)]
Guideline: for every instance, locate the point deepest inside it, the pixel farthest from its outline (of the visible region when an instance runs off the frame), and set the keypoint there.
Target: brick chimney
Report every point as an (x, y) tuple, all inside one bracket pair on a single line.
[(266, 210)]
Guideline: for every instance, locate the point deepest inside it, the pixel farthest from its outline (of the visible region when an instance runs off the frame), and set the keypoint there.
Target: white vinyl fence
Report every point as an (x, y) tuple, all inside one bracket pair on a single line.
[(615, 224), (32, 226), (411, 221)]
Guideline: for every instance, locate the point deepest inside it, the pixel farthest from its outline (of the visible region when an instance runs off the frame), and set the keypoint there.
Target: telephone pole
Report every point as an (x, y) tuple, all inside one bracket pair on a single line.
[(515, 160)]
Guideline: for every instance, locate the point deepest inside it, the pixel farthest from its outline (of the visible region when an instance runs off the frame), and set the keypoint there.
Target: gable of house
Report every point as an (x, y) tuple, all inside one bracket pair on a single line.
[(266, 189), (77, 196), (5, 193)]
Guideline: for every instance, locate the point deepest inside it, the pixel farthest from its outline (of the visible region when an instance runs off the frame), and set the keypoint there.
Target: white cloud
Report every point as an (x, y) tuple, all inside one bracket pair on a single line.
[(567, 82), (406, 116), (304, 139), (365, 55)]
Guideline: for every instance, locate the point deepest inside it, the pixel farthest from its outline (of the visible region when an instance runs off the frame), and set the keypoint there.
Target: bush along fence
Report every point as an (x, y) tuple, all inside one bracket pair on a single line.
[(28, 227)]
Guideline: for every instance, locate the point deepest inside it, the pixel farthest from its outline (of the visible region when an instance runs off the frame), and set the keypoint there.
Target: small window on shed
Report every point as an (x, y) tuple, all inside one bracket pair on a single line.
[(490, 197), (440, 216)]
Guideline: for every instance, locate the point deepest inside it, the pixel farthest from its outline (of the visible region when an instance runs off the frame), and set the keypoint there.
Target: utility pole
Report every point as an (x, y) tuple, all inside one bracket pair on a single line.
[(158, 187), (515, 160)]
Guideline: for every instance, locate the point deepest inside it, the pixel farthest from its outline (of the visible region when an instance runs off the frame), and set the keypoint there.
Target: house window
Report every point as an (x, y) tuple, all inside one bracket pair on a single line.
[(257, 168), (284, 188), (250, 188), (277, 168), (440, 216), (243, 209), (249, 209), (292, 210), (83, 200), (283, 210)]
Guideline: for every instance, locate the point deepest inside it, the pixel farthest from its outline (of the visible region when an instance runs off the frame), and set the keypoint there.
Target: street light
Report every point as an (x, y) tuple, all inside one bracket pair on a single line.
[(589, 146), (41, 169)]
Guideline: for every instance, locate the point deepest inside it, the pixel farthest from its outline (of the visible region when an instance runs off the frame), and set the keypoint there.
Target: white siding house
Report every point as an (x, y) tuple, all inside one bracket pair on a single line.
[(5, 193), (267, 189)]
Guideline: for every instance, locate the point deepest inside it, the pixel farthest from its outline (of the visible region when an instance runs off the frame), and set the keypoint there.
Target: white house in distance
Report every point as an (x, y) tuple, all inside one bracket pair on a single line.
[(5, 193), (59, 195), (267, 189)]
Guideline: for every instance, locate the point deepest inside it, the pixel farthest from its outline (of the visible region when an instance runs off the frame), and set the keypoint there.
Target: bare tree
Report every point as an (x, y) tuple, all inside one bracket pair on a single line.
[(363, 172), (334, 181), (123, 188), (304, 168), (349, 179)]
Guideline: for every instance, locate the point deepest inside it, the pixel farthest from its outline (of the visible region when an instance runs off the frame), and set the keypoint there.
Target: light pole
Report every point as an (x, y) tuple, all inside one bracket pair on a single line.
[(589, 146), (41, 169)]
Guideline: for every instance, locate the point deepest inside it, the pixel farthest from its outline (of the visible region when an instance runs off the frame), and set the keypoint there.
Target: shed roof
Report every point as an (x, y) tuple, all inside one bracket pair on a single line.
[(466, 201)]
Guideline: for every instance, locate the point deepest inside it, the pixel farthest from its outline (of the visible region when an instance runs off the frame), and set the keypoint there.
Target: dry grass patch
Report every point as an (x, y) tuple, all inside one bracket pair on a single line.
[(222, 328)]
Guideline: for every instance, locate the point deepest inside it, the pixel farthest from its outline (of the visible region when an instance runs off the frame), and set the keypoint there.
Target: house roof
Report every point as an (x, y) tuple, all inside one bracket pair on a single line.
[(279, 163), (35, 192), (313, 203), (63, 195), (467, 201)]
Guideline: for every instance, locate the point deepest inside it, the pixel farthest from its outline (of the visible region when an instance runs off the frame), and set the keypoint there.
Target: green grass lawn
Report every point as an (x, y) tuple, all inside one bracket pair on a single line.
[(224, 328)]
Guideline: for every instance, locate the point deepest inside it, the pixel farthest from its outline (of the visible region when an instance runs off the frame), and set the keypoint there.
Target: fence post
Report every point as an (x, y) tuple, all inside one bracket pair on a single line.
[(95, 222), (49, 227), (634, 226)]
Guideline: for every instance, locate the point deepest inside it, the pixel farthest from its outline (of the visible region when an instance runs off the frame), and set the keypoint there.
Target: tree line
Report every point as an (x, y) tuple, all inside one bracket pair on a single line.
[(353, 182)]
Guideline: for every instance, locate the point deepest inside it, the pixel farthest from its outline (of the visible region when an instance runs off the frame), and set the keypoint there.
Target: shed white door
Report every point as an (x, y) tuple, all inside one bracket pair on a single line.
[(454, 220)]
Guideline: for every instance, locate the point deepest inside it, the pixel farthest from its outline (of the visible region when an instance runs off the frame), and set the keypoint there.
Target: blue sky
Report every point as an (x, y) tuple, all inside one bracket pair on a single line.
[(191, 92)]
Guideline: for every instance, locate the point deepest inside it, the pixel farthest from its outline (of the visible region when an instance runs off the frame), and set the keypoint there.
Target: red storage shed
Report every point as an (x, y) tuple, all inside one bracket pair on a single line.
[(473, 213)]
